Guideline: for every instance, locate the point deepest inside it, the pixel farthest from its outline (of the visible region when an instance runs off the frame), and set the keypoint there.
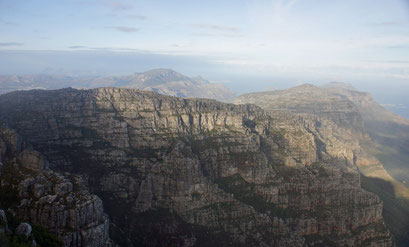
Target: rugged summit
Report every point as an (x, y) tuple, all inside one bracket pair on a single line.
[(194, 172), (60, 203)]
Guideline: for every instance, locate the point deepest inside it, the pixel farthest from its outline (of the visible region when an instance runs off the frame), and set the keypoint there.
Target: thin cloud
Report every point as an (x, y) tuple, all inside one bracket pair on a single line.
[(227, 35), (124, 29), (77, 47), (137, 17), (212, 30), (117, 49), (386, 23), (216, 27), (397, 61), (8, 23), (118, 6), (398, 46), (11, 44)]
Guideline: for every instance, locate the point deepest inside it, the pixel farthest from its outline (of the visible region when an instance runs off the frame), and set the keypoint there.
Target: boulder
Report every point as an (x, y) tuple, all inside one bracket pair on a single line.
[(24, 229)]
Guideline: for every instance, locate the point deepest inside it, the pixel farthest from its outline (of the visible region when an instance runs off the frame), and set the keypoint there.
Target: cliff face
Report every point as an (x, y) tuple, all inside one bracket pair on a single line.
[(191, 172), (60, 203), (380, 136), (337, 120)]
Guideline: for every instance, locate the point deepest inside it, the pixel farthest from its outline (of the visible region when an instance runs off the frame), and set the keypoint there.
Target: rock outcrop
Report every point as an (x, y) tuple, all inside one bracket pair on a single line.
[(187, 172), (35, 194)]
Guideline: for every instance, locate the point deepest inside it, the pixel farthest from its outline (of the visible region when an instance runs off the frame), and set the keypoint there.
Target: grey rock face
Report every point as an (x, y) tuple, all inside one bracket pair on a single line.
[(3, 218), (3, 222), (24, 229), (33, 160), (57, 202), (174, 171)]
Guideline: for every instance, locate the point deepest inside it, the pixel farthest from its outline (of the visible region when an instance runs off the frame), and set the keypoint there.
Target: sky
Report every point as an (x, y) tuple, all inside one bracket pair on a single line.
[(248, 45)]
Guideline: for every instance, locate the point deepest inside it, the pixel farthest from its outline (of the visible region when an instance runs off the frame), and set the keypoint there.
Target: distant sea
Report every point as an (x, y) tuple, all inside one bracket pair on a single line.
[(392, 98), (399, 109)]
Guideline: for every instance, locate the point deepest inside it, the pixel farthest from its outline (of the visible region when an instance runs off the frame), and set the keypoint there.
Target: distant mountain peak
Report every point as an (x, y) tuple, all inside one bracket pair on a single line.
[(305, 86), (341, 85), (160, 71), (162, 80)]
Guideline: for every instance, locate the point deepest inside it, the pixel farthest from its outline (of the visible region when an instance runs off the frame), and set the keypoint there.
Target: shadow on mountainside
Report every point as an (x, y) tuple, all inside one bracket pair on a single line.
[(395, 210)]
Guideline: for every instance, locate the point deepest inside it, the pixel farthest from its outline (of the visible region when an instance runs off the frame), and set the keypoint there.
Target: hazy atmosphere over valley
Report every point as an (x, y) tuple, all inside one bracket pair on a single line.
[(204, 123)]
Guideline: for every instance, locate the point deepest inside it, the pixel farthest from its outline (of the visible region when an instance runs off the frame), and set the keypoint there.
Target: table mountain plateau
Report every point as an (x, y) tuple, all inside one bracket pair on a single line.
[(197, 172)]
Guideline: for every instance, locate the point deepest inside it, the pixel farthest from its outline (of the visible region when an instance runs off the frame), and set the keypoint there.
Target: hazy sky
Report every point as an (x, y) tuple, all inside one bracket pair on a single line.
[(322, 40)]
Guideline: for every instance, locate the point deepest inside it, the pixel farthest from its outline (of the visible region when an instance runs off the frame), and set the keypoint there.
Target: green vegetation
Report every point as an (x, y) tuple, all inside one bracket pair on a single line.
[(160, 227), (249, 123), (319, 241), (286, 172), (14, 241), (85, 132), (8, 191), (11, 176), (395, 160), (43, 237), (196, 196), (246, 193), (319, 167), (210, 142), (279, 134)]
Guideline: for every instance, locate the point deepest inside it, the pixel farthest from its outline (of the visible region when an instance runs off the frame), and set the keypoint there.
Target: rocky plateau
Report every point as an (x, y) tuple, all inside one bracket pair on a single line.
[(197, 172)]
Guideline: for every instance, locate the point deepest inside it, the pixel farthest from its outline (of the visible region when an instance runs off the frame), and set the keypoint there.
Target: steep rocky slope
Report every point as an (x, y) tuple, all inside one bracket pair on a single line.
[(163, 81), (31, 192), (388, 131), (379, 134), (352, 111), (187, 172)]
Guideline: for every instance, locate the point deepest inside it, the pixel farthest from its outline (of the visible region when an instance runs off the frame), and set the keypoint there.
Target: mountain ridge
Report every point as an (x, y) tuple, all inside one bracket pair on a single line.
[(163, 81), (169, 169)]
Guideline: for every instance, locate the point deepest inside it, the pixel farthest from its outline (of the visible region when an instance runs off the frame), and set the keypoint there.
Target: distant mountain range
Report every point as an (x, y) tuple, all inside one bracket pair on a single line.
[(163, 81)]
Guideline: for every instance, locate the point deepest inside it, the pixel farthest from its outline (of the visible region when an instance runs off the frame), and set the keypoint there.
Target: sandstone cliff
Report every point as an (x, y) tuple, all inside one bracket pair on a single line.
[(60, 203), (194, 172), (379, 138)]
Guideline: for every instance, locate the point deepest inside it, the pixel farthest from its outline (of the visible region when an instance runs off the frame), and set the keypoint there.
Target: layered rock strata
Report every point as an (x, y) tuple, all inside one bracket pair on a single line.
[(194, 172)]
